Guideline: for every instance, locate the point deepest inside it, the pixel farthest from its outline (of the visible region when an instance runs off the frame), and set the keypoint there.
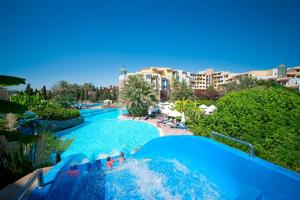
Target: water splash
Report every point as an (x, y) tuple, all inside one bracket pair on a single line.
[(150, 184), (179, 166), (153, 179), (102, 156), (159, 179)]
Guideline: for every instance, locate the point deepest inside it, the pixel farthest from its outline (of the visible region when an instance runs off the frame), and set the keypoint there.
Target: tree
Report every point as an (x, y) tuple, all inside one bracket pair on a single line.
[(64, 93), (211, 93), (138, 95), (246, 82), (243, 83), (181, 91), (36, 92), (101, 94), (82, 97), (28, 90), (266, 117), (44, 92), (232, 86), (49, 96), (106, 94), (114, 95)]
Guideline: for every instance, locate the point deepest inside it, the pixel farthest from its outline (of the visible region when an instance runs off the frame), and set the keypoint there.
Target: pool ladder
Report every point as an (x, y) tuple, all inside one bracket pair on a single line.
[(251, 154)]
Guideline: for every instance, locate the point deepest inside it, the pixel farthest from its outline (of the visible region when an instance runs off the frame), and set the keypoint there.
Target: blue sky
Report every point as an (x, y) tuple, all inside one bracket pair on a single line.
[(88, 41)]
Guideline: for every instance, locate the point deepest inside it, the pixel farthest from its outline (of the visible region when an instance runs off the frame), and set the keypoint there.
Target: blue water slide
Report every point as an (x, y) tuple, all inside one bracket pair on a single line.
[(251, 176), (173, 167)]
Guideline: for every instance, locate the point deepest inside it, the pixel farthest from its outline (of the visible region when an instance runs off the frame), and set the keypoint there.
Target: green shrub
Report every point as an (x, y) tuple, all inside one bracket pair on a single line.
[(205, 102), (45, 109), (15, 164), (54, 112), (268, 118)]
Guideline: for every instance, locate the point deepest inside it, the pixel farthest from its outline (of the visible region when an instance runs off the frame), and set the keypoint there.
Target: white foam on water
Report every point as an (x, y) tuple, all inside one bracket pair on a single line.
[(102, 156), (84, 161), (114, 153), (179, 166), (209, 189), (140, 179), (150, 184)]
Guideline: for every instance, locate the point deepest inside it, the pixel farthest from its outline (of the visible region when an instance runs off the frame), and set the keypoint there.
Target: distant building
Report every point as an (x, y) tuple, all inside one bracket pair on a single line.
[(281, 71), (161, 77), (291, 78), (122, 79), (205, 79)]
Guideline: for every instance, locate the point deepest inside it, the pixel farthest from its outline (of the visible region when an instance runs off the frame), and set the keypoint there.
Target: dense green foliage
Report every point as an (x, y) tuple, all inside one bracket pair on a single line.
[(11, 107), (67, 94), (17, 163), (16, 150), (266, 117), (44, 108), (206, 102), (138, 95), (191, 110), (181, 91), (10, 80), (243, 83)]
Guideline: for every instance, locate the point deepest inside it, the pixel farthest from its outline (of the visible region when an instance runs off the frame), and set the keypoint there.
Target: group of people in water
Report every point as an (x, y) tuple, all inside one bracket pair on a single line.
[(110, 162)]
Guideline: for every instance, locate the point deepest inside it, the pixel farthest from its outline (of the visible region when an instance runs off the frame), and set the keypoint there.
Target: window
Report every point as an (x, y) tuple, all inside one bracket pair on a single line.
[(148, 76)]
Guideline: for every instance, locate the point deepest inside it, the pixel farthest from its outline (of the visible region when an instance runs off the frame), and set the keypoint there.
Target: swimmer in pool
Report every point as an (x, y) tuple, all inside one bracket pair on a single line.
[(109, 162), (122, 158)]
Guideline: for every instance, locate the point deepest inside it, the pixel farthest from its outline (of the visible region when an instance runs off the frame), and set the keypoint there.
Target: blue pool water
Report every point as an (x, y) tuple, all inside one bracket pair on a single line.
[(173, 167), (104, 134)]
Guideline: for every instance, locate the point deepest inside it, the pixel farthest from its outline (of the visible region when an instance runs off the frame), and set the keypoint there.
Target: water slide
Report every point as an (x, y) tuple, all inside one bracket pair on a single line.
[(174, 167)]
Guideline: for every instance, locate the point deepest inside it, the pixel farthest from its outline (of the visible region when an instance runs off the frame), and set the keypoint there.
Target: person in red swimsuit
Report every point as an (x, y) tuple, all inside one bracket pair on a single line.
[(109, 162)]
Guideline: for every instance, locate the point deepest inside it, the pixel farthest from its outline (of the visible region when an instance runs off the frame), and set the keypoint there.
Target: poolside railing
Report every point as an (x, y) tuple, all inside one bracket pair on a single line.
[(212, 134), (38, 174)]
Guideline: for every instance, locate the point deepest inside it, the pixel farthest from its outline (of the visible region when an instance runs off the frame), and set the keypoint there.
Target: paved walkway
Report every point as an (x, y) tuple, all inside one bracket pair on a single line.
[(164, 130)]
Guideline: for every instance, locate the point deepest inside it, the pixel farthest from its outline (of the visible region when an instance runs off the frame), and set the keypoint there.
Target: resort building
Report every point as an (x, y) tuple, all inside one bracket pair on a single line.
[(207, 78), (160, 78), (289, 77)]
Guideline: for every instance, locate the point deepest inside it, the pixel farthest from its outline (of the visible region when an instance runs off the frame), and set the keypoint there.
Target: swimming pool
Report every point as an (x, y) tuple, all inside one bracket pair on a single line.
[(103, 134), (172, 167)]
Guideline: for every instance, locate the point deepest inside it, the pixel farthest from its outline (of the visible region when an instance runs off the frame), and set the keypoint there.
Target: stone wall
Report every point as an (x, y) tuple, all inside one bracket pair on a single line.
[(58, 125)]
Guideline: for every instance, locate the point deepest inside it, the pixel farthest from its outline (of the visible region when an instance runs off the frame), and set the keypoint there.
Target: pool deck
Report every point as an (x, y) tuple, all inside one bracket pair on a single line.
[(164, 130)]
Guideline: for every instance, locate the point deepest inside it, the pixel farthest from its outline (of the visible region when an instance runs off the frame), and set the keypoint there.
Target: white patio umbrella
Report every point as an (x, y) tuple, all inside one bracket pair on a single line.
[(203, 106), (174, 113), (210, 109), (166, 111), (182, 118)]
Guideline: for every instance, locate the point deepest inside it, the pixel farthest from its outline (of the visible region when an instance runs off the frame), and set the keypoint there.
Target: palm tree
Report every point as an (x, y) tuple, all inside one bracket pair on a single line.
[(181, 91), (138, 95), (246, 82), (232, 86), (243, 83)]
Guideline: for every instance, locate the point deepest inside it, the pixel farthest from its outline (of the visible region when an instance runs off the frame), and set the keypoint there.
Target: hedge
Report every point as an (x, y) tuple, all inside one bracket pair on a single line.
[(269, 118)]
